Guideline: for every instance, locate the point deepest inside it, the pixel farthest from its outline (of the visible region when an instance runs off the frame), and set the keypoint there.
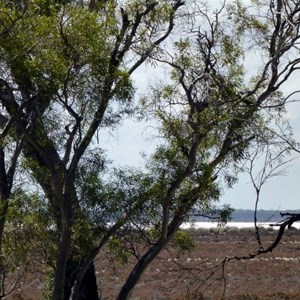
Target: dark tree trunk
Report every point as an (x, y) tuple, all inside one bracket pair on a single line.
[(149, 256), (60, 271), (138, 270), (5, 189), (88, 289)]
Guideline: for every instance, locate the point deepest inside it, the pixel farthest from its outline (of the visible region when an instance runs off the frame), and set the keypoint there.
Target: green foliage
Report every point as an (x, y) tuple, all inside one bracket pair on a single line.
[(49, 281), (231, 50), (183, 241), (116, 247), (74, 42), (30, 230), (225, 214), (207, 126)]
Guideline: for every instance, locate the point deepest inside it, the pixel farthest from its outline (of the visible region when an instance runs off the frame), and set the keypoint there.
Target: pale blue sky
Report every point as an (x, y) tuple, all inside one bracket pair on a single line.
[(125, 145)]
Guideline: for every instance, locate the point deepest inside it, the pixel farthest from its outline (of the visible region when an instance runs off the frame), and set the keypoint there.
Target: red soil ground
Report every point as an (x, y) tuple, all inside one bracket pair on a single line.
[(200, 274)]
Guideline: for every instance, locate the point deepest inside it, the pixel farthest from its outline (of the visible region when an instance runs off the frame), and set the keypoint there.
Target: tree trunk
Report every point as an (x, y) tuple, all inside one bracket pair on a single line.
[(138, 270), (88, 289), (148, 257), (4, 195), (3, 212), (81, 279), (64, 247), (72, 269), (60, 270)]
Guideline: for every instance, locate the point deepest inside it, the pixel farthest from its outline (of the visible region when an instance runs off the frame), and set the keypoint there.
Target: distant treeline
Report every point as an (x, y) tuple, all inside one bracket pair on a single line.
[(247, 215)]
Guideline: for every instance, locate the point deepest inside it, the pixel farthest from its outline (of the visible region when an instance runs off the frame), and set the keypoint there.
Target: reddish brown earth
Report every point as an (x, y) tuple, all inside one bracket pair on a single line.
[(201, 273)]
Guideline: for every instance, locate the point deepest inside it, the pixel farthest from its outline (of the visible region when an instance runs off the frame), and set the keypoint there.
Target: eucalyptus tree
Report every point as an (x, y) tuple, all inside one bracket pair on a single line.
[(66, 68), (212, 113), (65, 73), (10, 150)]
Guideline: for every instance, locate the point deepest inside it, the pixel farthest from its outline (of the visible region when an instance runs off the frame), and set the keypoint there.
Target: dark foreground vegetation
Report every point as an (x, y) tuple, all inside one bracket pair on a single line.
[(200, 273)]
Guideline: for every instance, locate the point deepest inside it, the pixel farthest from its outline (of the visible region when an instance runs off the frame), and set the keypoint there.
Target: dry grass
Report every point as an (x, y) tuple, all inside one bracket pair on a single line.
[(200, 274)]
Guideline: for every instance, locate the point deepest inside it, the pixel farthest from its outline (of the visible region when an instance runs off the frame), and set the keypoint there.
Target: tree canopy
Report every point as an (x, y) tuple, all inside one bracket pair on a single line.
[(65, 74)]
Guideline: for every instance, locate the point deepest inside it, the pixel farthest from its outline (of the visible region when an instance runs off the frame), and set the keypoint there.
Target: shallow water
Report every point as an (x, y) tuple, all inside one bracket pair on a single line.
[(238, 225)]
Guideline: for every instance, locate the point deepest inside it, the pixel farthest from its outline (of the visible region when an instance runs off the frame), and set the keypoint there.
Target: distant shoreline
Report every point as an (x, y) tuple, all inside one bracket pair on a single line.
[(247, 215), (238, 225)]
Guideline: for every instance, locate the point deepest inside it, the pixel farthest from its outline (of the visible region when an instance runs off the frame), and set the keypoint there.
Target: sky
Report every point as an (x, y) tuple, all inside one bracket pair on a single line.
[(280, 193), (124, 147)]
